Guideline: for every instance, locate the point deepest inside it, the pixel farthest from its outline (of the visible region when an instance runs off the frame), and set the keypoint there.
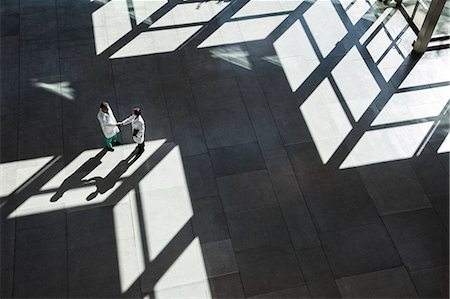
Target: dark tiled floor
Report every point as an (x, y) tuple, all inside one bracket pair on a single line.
[(261, 177)]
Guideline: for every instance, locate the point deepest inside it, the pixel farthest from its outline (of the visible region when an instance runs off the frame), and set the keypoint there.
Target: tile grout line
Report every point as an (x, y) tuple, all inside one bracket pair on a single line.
[(296, 180), (265, 162), (63, 145), (398, 253), (210, 162), (18, 144)]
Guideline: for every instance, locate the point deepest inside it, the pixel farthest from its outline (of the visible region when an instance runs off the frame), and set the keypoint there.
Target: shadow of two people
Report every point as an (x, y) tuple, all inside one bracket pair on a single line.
[(102, 184)]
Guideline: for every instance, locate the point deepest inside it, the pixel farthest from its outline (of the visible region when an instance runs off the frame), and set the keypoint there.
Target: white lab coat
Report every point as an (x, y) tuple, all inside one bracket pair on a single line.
[(108, 123), (137, 123)]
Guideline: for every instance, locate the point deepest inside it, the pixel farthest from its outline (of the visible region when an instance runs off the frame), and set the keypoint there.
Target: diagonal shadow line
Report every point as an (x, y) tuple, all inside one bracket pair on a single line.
[(177, 244), (371, 113), (131, 14), (138, 29), (330, 78), (143, 26), (332, 59), (370, 63), (327, 64), (129, 182), (404, 123), (214, 24), (214, 20), (438, 122), (142, 228), (424, 86), (31, 187), (438, 47), (75, 179), (409, 19), (387, 89), (393, 44), (104, 184), (16, 199), (173, 249), (380, 26), (292, 17), (96, 4), (155, 269)]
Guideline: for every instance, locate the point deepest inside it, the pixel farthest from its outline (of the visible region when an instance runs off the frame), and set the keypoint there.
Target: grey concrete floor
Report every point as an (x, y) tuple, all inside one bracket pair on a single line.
[(294, 149)]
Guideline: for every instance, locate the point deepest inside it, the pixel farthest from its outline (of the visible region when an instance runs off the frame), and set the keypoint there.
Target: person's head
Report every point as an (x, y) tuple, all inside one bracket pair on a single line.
[(136, 111), (104, 106)]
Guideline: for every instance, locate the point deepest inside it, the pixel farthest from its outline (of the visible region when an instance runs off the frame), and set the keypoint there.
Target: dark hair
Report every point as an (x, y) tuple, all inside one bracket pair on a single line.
[(104, 105), (137, 111)]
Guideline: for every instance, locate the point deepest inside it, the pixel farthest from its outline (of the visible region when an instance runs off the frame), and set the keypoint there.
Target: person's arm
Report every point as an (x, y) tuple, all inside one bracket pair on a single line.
[(127, 121)]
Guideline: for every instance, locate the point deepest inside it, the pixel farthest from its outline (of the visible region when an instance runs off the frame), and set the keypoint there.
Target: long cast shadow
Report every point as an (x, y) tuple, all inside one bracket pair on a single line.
[(76, 179), (108, 182)]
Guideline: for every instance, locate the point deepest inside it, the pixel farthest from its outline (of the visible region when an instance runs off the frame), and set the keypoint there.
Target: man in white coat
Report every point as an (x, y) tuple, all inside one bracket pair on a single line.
[(109, 125), (137, 128)]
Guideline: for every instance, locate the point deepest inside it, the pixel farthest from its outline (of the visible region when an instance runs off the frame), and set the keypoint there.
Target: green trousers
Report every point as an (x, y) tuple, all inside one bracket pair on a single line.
[(110, 140)]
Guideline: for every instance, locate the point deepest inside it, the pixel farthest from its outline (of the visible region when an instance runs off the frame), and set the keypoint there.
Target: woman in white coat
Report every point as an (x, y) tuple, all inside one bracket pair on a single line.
[(137, 128)]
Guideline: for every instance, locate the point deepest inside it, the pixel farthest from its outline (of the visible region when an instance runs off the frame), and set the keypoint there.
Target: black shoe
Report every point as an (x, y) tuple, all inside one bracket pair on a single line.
[(109, 149), (116, 143), (140, 149)]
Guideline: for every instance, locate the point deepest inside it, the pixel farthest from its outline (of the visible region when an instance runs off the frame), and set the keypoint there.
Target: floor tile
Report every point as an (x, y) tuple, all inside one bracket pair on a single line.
[(315, 267), (293, 206), (246, 191), (394, 187), (391, 283), (209, 221), (255, 198), (93, 226), (430, 172), (440, 205), (200, 176), (257, 227), (51, 287), (7, 283), (359, 250), (261, 116), (431, 283), (288, 118), (227, 127), (219, 258), (420, 238), (188, 134), (268, 269), (304, 158), (299, 292), (217, 94), (227, 286), (329, 290), (236, 159), (337, 200)]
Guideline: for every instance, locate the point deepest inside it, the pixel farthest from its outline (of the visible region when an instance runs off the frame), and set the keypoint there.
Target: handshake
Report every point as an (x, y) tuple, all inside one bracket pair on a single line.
[(119, 124)]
